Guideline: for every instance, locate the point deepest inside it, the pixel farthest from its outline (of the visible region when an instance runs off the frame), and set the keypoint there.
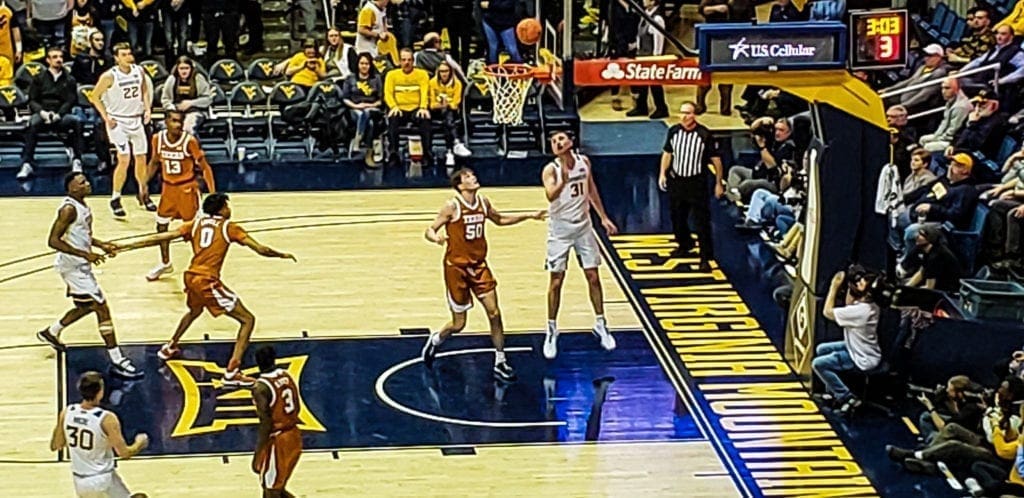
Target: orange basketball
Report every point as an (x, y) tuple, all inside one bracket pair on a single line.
[(528, 31)]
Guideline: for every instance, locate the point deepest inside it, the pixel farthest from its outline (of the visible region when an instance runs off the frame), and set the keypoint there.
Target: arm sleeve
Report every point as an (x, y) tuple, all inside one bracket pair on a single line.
[(424, 89), (33, 95), (667, 148), (389, 89), (204, 93), (167, 93), (854, 315), (456, 98), (366, 19), (70, 97)]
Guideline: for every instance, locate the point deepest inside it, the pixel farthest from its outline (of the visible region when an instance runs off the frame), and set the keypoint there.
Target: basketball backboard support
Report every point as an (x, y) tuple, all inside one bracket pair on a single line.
[(555, 46)]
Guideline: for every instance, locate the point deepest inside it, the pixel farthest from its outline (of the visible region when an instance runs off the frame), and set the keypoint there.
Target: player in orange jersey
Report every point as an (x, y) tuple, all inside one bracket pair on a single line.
[(210, 236), (465, 267), (278, 439), (176, 154)]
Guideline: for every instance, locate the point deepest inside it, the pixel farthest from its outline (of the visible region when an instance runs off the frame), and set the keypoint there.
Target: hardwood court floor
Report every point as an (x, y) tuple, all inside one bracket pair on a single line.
[(364, 269)]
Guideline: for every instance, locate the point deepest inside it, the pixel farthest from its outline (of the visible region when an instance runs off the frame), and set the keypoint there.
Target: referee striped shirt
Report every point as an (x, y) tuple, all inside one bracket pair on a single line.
[(691, 150)]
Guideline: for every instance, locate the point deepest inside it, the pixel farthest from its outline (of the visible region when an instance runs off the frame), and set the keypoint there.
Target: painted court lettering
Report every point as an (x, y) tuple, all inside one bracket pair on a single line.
[(756, 405)]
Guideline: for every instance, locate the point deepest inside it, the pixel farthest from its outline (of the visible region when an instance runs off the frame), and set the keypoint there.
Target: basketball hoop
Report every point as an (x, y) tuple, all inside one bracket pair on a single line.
[(508, 84)]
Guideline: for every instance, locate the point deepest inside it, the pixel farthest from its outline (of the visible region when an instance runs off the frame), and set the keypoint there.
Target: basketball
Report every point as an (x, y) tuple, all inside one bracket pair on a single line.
[(528, 31)]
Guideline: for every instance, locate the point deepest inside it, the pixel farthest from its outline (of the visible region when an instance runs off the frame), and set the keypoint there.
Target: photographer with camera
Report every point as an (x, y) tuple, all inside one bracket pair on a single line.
[(775, 147), (958, 402), (992, 444), (859, 349)]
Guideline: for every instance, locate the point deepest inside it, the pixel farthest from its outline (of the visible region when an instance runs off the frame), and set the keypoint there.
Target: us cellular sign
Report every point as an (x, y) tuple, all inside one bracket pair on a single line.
[(772, 47)]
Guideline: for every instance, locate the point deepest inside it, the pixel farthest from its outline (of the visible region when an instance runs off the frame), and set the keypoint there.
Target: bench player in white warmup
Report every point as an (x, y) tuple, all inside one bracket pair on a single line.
[(92, 435), (123, 98), (569, 186)]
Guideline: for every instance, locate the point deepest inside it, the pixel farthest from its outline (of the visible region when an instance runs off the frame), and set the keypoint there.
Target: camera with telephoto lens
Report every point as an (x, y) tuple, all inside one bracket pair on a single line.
[(764, 127), (881, 291)]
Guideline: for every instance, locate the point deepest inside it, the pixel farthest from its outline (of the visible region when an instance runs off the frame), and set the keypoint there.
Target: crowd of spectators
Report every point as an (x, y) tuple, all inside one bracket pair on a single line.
[(953, 198), (391, 77)]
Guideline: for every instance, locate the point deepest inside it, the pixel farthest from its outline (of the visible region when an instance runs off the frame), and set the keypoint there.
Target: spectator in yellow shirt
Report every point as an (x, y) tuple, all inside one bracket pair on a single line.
[(304, 68), (445, 97), (406, 93)]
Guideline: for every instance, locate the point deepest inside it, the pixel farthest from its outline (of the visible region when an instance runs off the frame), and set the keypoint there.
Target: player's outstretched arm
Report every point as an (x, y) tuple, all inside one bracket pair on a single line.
[(552, 185), (148, 241), (58, 440), (65, 217), (595, 201), (433, 232), (501, 219), (261, 396), (112, 428), (265, 251)]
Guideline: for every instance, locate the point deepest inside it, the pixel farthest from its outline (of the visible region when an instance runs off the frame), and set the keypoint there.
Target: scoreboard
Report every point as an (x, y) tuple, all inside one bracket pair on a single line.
[(878, 39)]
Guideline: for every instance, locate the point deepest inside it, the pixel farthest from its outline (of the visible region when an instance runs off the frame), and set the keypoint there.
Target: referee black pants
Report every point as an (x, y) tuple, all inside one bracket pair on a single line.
[(690, 196)]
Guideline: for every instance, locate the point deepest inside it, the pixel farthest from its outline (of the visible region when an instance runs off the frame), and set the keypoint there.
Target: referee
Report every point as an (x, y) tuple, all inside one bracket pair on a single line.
[(689, 149)]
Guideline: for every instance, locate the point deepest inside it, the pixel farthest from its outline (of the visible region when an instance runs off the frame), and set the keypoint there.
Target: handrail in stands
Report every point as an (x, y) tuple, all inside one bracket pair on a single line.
[(925, 84)]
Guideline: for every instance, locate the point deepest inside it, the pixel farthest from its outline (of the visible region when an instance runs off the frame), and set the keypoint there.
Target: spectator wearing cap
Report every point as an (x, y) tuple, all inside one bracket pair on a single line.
[(981, 132), (929, 97), (304, 68), (950, 199), (978, 41), (954, 113), (939, 268), (1010, 58)]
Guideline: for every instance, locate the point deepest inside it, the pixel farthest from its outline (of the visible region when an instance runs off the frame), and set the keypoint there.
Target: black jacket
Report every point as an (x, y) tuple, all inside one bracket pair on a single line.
[(87, 69), (45, 94)]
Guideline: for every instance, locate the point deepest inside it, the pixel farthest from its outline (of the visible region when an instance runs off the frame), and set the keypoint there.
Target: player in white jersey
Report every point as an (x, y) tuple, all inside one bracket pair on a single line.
[(569, 186), (123, 99), (92, 436), (71, 236)]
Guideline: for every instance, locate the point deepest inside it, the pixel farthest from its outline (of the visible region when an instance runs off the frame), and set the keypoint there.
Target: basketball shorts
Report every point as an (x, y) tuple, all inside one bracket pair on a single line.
[(81, 283), (178, 202), (210, 293), (107, 485), (462, 283), (583, 241), (129, 137), (279, 458)]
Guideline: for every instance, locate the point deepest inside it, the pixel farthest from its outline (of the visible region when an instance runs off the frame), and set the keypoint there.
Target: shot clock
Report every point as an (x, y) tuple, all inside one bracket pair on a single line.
[(878, 39)]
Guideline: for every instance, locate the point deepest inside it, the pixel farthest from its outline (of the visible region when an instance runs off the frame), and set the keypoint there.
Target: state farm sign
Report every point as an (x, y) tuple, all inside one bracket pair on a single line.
[(661, 71)]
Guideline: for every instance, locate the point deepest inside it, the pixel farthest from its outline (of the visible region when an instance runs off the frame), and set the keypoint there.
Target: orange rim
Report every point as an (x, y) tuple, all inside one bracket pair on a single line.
[(511, 71)]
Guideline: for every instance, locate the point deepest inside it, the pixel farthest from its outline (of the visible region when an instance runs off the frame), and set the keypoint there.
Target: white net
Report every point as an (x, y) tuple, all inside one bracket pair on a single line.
[(508, 85)]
